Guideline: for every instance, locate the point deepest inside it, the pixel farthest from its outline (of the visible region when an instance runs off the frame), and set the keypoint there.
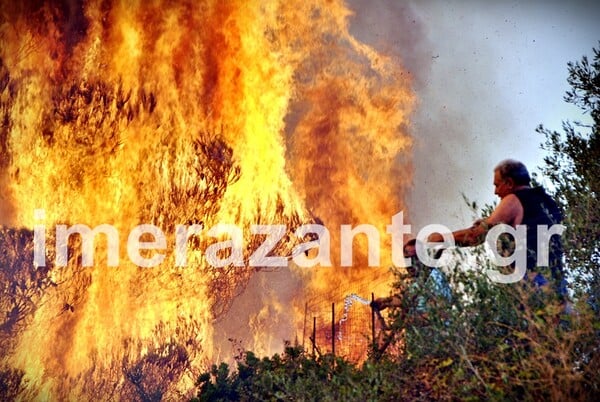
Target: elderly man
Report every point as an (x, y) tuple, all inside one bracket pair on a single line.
[(520, 204)]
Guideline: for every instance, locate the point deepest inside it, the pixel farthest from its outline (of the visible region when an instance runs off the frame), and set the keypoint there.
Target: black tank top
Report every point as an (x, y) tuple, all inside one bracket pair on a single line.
[(540, 209)]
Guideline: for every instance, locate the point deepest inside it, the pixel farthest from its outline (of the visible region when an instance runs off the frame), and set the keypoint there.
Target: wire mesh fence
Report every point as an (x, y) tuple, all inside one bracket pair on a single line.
[(347, 327)]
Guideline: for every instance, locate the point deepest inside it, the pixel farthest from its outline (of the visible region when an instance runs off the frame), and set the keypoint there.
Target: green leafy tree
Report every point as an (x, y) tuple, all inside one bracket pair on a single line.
[(291, 376), (573, 166)]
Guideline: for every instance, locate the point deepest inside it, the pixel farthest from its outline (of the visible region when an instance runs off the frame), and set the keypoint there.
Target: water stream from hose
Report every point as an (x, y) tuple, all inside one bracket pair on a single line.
[(348, 301)]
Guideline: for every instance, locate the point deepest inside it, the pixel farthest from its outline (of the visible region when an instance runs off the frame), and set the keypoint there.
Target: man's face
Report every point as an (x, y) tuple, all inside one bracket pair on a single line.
[(503, 187)]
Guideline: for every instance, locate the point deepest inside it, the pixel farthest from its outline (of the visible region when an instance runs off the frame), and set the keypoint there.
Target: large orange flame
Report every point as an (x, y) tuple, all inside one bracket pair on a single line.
[(122, 112)]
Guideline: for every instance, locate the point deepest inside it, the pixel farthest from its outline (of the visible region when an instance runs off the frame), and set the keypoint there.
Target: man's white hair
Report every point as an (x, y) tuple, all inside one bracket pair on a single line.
[(513, 169)]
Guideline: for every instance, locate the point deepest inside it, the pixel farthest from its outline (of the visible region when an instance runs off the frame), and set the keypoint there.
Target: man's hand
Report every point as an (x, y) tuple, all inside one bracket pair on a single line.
[(435, 238)]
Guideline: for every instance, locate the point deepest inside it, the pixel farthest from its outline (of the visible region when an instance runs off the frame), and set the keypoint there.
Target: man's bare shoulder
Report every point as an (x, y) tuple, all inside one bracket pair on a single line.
[(509, 211)]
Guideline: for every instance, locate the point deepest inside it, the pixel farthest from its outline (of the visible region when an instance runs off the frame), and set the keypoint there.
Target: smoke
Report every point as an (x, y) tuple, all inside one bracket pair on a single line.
[(485, 76), (262, 317), (457, 140)]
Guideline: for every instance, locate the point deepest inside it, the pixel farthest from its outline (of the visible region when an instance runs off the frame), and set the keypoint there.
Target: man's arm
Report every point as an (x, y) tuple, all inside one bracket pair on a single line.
[(509, 211)]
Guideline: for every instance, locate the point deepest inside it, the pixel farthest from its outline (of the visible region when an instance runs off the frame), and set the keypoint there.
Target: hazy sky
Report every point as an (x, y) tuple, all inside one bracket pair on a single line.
[(486, 75)]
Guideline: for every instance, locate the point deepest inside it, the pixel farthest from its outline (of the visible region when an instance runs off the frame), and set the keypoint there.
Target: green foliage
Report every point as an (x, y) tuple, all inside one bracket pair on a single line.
[(494, 341), (293, 376), (501, 342), (573, 166)]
